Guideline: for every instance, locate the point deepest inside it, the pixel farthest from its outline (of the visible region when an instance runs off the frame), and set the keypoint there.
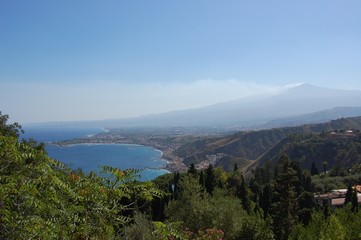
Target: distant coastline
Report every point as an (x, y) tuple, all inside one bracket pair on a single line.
[(173, 163), (90, 156), (123, 144)]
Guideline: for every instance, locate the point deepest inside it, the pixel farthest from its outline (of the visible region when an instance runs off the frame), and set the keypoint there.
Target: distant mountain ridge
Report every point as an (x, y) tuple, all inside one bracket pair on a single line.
[(251, 113), (315, 117), (298, 105)]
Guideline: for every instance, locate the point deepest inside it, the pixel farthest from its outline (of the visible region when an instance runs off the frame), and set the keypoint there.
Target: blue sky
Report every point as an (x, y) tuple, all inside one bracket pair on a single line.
[(82, 60)]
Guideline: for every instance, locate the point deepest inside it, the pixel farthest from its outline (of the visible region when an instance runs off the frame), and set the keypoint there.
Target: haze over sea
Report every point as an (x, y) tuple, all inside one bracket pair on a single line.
[(89, 157)]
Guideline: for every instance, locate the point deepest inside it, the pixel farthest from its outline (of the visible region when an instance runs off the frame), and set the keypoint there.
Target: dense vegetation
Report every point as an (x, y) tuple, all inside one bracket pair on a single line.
[(40, 198)]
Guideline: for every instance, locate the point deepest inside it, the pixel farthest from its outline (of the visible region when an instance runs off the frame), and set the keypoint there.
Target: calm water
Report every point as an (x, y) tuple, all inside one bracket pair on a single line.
[(53, 134), (90, 156)]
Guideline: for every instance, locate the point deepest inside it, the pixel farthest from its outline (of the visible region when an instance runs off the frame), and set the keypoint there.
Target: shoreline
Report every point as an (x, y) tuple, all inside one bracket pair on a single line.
[(172, 163)]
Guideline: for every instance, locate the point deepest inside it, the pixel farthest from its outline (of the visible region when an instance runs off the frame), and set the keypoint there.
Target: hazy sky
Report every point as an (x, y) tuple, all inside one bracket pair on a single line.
[(84, 60)]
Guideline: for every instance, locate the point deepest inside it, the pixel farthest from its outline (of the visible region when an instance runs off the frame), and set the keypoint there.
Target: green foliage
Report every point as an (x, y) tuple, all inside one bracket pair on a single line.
[(243, 194), (140, 229), (354, 201), (271, 143), (348, 197), (327, 183), (176, 231), (210, 180), (192, 170), (265, 200), (332, 230), (170, 231), (284, 207), (311, 231), (314, 169), (341, 224), (41, 198), (255, 228), (10, 130), (198, 210)]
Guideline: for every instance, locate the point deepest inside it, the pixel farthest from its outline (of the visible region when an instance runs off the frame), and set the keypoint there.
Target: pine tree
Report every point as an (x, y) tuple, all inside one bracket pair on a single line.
[(324, 165), (348, 197), (306, 200), (284, 208), (314, 170), (326, 210), (265, 200), (201, 179), (192, 170), (210, 180), (175, 185), (242, 193), (354, 201)]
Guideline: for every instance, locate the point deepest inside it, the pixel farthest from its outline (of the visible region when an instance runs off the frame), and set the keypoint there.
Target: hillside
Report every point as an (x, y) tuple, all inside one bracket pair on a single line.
[(338, 150), (315, 117), (244, 148)]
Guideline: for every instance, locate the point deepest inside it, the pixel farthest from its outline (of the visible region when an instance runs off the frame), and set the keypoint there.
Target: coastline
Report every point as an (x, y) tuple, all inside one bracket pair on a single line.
[(172, 163)]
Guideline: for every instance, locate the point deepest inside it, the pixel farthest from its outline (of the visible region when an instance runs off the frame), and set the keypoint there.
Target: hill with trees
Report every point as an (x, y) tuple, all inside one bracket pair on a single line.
[(244, 148)]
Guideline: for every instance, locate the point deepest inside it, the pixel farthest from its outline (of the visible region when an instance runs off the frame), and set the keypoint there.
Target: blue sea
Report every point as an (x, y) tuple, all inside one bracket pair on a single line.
[(89, 157)]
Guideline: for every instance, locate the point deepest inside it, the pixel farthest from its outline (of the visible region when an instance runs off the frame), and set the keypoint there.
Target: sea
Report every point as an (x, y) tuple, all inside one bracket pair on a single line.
[(89, 157)]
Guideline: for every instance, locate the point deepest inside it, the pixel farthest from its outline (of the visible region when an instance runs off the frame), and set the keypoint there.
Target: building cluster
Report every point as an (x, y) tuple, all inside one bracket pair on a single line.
[(336, 198)]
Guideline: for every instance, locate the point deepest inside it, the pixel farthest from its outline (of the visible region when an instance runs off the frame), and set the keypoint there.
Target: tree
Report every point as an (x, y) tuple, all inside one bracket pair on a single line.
[(348, 197), (10, 130), (233, 182), (242, 193), (210, 180), (305, 202), (202, 180), (192, 170), (175, 185), (284, 208), (314, 170), (265, 200), (324, 165), (326, 210), (198, 211), (332, 230), (354, 201)]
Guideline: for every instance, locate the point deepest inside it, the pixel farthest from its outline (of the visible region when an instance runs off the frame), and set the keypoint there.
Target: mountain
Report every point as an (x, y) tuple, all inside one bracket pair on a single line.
[(315, 117), (254, 112), (254, 148), (298, 105)]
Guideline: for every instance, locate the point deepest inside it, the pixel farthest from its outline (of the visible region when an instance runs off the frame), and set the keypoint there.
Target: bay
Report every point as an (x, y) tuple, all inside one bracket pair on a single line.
[(53, 134), (89, 157)]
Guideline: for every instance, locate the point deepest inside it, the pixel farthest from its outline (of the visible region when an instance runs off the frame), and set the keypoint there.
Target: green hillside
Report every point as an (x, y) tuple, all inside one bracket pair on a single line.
[(338, 150), (245, 147)]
